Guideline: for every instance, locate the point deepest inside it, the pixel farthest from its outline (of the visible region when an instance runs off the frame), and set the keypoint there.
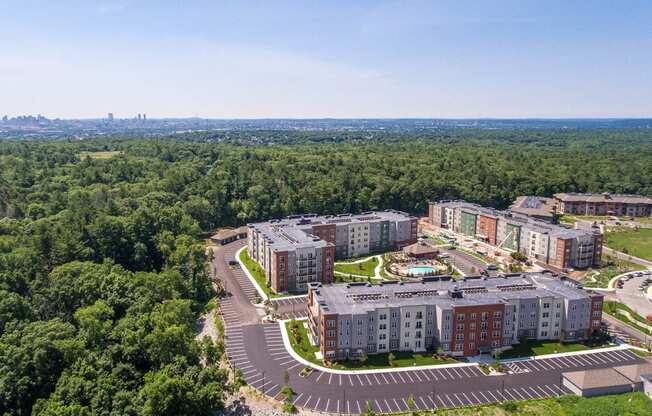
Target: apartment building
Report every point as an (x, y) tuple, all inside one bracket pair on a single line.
[(604, 204), (464, 318), (548, 243), (301, 249)]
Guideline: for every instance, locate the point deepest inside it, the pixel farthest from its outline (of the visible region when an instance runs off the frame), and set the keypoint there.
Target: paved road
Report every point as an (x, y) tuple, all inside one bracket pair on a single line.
[(468, 264), (258, 351), (627, 257)]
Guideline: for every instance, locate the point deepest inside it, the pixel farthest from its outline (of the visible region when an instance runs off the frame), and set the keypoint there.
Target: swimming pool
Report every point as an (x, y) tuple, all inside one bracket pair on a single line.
[(414, 270)]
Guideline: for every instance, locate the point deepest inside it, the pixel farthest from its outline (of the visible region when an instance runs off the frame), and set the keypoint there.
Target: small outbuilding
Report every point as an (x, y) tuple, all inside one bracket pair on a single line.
[(602, 381), (228, 235), (421, 250)]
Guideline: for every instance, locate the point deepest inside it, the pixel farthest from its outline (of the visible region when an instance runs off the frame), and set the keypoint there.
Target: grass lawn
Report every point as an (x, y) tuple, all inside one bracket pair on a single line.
[(98, 155), (258, 274), (640, 353), (532, 348), (612, 307), (364, 268), (638, 243), (632, 404), (374, 361)]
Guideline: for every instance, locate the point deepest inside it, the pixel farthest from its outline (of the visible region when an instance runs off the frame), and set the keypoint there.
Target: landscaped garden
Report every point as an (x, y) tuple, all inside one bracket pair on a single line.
[(636, 242), (600, 277), (298, 335), (361, 268), (532, 348), (634, 319)]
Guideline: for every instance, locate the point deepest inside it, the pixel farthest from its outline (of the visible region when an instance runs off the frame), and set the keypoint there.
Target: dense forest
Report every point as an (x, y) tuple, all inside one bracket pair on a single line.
[(101, 261)]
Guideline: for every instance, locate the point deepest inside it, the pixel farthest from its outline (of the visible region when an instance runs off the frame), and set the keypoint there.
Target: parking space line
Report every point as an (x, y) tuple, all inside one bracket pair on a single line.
[(297, 399), (443, 404), (510, 394), (384, 378), (456, 372), (464, 370), (527, 393), (392, 376), (484, 397), (307, 401), (317, 404), (449, 374), (357, 403), (327, 403), (377, 379), (405, 403), (433, 374), (401, 377), (449, 399), (396, 403), (407, 374), (467, 398), (425, 406), (359, 380), (492, 395), (545, 393), (368, 379), (330, 377), (350, 380), (416, 374)]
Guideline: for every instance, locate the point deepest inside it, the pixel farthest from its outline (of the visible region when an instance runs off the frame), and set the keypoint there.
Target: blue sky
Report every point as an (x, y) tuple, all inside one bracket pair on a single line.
[(326, 59)]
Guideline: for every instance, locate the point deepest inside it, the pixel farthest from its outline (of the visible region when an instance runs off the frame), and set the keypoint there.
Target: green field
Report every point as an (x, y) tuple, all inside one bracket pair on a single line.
[(375, 361), (638, 243), (364, 268), (613, 267), (534, 348), (631, 404)]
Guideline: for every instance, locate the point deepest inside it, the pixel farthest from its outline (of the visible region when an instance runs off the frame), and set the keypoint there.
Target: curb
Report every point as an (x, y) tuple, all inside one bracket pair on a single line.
[(244, 268), (290, 350)]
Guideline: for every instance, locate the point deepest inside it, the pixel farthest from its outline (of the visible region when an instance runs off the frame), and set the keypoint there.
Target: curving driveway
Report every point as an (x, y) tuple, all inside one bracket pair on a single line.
[(258, 351)]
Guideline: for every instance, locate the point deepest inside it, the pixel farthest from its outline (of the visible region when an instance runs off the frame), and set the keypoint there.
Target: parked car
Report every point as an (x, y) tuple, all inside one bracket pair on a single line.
[(492, 266)]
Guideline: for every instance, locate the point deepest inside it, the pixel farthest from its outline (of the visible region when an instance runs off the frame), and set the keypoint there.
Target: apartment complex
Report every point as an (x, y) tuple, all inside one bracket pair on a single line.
[(604, 204), (464, 318), (548, 243), (301, 249)]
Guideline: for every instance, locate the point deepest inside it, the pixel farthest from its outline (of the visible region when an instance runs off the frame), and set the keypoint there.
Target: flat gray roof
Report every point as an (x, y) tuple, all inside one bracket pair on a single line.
[(294, 231), (348, 299)]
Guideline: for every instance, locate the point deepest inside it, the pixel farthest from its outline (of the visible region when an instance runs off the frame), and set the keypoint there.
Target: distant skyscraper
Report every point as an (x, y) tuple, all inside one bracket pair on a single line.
[(5, 118), (140, 117), (144, 116), (110, 117)]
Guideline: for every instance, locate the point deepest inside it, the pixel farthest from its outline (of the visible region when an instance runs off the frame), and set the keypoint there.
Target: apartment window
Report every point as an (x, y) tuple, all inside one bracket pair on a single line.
[(460, 316), (382, 326), (498, 314), (407, 324), (407, 314), (472, 336), (394, 315), (558, 305), (597, 313), (472, 325), (406, 345), (544, 333), (545, 315), (557, 315), (418, 334), (429, 313), (483, 326), (419, 324), (459, 337), (485, 315), (546, 306), (544, 324), (330, 333), (496, 324), (471, 345), (473, 316), (393, 324), (459, 327), (429, 331), (483, 335), (406, 334), (360, 322), (495, 334), (419, 315), (459, 347), (330, 323), (447, 317), (382, 346), (382, 316), (382, 336)]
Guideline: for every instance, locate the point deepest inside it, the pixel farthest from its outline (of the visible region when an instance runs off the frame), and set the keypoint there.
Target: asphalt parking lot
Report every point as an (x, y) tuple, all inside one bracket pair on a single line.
[(572, 362), (291, 308)]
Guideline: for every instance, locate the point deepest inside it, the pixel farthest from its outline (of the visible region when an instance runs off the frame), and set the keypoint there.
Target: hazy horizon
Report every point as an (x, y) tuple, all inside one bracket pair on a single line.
[(337, 60)]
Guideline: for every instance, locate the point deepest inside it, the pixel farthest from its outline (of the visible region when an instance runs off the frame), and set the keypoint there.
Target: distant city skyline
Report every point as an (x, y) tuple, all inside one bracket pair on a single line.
[(365, 59)]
